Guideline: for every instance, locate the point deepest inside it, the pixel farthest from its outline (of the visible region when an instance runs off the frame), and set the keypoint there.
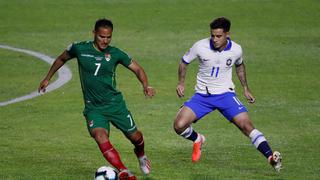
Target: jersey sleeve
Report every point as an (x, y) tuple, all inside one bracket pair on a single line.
[(72, 50), (239, 59), (125, 59), (190, 55)]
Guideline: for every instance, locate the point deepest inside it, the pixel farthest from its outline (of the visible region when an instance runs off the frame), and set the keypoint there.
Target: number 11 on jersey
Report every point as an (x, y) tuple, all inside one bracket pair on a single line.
[(215, 70)]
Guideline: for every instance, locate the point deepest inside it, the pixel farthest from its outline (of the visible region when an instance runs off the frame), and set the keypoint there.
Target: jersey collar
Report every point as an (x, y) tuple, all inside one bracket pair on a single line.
[(227, 48), (103, 51)]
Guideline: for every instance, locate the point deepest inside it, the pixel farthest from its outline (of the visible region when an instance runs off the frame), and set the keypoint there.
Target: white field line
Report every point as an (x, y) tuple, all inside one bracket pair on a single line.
[(64, 75)]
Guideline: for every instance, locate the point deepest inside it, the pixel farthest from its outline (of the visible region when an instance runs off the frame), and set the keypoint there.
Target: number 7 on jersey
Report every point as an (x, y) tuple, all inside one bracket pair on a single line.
[(97, 69)]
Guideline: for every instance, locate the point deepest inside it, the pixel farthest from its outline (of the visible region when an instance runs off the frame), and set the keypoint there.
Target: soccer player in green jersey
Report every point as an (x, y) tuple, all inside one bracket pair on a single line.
[(104, 104)]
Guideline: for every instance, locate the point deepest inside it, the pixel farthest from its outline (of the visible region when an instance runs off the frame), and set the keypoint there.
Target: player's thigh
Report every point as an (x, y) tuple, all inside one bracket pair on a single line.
[(243, 122), (196, 107), (96, 119), (124, 121), (100, 135), (230, 106)]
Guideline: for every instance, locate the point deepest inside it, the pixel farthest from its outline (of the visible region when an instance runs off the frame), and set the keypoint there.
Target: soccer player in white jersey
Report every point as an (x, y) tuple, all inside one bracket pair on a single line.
[(215, 90)]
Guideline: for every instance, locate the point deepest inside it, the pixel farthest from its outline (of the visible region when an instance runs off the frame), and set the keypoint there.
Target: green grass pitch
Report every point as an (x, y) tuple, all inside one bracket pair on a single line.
[(46, 137)]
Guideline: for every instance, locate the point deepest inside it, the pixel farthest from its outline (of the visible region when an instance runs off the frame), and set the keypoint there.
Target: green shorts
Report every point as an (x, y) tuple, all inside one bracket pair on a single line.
[(102, 117)]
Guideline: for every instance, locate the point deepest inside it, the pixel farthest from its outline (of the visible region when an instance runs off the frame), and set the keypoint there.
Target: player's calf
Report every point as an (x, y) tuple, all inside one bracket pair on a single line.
[(111, 155), (144, 163), (260, 142), (190, 134)]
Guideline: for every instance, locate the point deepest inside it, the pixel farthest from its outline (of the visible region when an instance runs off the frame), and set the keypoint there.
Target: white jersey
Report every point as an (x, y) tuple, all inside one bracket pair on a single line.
[(215, 68)]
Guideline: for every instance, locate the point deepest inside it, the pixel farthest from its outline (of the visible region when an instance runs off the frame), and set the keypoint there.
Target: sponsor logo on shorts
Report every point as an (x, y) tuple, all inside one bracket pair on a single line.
[(90, 123)]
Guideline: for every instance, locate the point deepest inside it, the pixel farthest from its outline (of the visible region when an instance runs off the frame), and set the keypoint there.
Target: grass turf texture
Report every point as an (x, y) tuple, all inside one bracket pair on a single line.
[(46, 137), (16, 81)]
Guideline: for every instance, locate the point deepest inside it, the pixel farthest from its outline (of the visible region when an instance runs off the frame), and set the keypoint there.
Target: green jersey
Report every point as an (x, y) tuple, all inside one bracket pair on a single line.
[(97, 72)]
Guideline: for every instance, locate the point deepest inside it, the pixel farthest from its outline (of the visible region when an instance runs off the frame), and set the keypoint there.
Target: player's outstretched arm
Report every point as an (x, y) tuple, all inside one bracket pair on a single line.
[(182, 70), (241, 73), (142, 76), (58, 63)]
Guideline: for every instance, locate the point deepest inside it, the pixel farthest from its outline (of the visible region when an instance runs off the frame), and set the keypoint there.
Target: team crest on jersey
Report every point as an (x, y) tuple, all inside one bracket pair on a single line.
[(108, 57), (229, 62)]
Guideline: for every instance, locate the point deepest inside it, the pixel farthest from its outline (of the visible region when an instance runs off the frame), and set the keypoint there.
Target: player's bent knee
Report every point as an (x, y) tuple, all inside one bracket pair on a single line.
[(179, 126), (246, 128), (135, 137), (100, 135), (244, 123)]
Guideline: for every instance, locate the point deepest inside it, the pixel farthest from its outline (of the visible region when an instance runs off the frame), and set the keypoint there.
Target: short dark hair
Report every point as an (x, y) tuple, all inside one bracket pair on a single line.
[(103, 23), (222, 23)]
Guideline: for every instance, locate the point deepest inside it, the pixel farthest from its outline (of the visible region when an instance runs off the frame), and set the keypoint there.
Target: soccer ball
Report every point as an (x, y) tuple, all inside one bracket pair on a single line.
[(106, 173)]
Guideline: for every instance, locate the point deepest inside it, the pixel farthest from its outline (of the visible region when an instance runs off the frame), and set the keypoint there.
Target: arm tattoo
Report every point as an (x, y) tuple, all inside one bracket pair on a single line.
[(182, 73), (241, 73)]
